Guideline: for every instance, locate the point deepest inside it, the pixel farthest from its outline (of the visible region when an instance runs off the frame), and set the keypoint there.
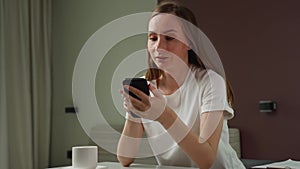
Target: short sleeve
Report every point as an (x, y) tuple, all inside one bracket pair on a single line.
[(213, 94)]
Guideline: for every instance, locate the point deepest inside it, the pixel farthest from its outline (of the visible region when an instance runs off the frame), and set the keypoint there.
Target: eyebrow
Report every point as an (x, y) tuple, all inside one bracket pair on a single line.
[(166, 32)]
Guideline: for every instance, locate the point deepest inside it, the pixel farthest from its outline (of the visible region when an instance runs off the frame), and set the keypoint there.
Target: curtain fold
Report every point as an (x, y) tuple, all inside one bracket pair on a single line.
[(3, 116), (40, 16), (25, 89)]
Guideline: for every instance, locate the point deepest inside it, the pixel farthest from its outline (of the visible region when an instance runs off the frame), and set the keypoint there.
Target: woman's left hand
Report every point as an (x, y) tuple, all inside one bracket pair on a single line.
[(148, 107)]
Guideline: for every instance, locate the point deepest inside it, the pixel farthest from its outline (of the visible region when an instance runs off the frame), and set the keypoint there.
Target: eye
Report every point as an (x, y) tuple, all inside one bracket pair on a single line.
[(169, 38), (152, 37)]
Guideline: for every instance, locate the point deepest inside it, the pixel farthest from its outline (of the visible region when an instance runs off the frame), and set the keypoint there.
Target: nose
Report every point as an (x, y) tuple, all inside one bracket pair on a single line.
[(161, 44)]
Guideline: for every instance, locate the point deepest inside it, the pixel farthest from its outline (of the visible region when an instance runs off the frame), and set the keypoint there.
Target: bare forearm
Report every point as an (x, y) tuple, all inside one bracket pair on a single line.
[(201, 153), (129, 142)]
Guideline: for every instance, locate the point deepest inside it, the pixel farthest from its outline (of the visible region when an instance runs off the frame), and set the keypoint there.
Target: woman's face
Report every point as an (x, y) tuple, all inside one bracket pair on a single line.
[(165, 42)]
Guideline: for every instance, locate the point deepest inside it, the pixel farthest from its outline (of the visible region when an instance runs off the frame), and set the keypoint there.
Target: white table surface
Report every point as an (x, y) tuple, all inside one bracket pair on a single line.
[(116, 165)]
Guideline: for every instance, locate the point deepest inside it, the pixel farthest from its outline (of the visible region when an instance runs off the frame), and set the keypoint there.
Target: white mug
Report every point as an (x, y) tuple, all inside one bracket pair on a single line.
[(84, 157)]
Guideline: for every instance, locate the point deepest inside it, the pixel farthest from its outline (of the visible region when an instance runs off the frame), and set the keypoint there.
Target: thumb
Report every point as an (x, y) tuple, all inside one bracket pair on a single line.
[(155, 91)]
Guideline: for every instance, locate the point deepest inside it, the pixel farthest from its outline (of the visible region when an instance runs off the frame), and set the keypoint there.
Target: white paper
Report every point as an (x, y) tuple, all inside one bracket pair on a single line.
[(288, 164)]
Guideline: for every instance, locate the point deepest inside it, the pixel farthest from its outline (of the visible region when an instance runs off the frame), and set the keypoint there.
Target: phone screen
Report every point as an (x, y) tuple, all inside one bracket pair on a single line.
[(139, 83)]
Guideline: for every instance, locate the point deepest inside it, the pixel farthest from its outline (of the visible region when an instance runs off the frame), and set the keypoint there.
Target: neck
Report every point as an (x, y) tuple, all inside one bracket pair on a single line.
[(172, 80)]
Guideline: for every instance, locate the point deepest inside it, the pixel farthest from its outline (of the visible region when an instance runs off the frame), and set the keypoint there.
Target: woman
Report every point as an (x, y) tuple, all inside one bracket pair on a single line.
[(190, 101)]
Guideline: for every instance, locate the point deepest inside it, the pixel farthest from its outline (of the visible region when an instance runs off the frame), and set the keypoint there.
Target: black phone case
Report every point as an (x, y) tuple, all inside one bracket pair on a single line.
[(139, 83)]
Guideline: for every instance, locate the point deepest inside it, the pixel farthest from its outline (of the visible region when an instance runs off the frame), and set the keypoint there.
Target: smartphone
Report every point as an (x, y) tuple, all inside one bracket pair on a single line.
[(139, 83)]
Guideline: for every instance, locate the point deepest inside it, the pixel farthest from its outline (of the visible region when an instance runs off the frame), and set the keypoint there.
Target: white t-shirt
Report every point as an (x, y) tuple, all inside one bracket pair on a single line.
[(202, 91)]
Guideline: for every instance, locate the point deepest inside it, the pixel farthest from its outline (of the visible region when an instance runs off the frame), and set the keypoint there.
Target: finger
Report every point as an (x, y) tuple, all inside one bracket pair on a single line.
[(125, 94), (125, 89), (126, 100), (126, 107), (155, 91), (128, 91), (139, 105), (138, 93), (131, 108)]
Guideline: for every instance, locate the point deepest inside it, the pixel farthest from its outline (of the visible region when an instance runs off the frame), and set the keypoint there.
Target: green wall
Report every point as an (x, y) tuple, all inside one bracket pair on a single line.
[(73, 22)]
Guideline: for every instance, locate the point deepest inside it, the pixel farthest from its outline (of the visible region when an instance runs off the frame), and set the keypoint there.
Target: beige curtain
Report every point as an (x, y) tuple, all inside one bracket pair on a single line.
[(25, 102)]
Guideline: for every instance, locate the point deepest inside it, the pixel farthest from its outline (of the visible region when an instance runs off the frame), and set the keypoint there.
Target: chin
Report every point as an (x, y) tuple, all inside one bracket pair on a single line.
[(162, 66)]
